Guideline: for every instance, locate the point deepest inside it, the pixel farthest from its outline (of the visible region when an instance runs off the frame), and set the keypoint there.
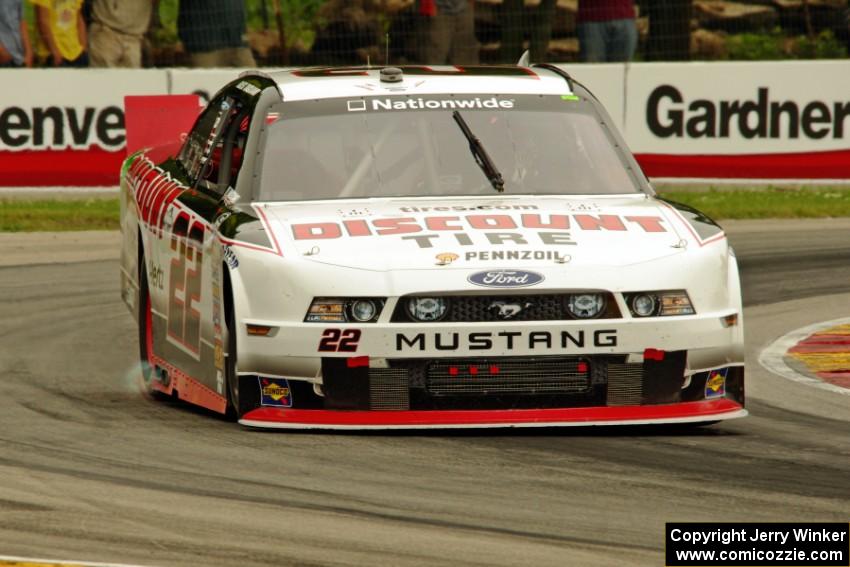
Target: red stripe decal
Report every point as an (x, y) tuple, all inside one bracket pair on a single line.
[(269, 230)]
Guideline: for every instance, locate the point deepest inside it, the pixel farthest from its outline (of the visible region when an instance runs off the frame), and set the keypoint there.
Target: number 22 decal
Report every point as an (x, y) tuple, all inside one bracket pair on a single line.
[(184, 286), (339, 340)]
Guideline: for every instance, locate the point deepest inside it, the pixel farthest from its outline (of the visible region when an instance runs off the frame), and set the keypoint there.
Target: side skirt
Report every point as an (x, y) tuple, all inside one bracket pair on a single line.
[(188, 388)]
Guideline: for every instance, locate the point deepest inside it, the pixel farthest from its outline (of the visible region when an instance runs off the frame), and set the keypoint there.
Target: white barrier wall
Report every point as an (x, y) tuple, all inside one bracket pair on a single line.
[(770, 120), (66, 126)]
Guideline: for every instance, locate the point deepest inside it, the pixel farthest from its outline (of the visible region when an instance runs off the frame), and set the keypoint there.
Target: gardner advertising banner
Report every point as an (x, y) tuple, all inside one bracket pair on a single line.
[(771, 120), (764, 120)]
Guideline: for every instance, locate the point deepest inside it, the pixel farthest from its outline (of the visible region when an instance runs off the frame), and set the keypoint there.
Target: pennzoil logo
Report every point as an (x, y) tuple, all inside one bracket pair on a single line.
[(446, 258), (275, 392), (715, 384)]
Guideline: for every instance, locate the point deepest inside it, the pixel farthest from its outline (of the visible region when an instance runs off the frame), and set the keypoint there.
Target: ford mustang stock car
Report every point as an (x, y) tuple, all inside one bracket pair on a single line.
[(415, 247)]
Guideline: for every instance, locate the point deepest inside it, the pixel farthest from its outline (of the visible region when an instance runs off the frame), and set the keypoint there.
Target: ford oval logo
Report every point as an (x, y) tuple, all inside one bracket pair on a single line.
[(505, 278)]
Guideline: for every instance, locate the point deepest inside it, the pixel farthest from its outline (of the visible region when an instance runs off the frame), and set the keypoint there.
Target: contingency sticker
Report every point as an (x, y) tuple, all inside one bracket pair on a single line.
[(715, 385), (275, 392)]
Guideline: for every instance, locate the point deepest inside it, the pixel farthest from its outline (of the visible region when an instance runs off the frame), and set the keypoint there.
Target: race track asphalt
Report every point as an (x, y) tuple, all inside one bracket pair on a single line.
[(91, 470)]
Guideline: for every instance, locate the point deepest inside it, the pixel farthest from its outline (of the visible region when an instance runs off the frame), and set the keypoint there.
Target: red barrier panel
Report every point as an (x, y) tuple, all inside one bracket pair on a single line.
[(809, 165), (69, 167), (159, 120)]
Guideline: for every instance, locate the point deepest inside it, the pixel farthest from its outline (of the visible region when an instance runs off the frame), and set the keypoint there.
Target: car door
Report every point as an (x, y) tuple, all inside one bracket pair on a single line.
[(187, 253)]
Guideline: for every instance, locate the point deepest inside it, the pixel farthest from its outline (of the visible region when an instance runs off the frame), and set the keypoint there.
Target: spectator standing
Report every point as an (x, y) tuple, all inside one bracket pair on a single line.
[(61, 32), (447, 32), (520, 21), (117, 30), (15, 48), (607, 31), (213, 33)]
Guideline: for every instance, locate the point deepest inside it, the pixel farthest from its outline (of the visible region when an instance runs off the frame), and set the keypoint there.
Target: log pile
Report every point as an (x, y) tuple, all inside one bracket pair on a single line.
[(734, 17)]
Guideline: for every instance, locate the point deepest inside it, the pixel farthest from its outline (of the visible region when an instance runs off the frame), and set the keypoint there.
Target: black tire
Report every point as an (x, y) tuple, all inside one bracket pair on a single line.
[(146, 336), (231, 380)]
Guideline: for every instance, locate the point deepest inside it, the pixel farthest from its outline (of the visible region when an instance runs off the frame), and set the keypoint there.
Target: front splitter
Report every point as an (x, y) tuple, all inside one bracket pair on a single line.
[(685, 412)]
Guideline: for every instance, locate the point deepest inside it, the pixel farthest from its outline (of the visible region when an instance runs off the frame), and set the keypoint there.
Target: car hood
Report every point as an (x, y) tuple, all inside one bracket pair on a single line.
[(464, 233)]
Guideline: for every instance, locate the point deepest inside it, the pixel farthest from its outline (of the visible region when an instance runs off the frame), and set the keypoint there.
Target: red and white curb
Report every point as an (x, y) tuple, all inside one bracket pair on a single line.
[(773, 357)]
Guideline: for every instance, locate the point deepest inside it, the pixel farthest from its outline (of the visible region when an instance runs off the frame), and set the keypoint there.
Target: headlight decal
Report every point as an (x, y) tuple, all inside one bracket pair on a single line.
[(427, 309), (345, 309), (643, 304)]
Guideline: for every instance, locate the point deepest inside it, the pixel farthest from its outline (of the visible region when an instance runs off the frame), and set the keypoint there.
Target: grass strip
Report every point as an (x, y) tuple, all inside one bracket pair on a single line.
[(764, 203), (24, 215)]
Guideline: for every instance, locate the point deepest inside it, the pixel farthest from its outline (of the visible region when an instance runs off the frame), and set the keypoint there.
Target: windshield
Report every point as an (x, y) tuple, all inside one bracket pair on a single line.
[(403, 146)]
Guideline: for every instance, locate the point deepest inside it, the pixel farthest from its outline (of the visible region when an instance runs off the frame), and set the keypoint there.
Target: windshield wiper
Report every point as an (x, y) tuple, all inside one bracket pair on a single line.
[(480, 154)]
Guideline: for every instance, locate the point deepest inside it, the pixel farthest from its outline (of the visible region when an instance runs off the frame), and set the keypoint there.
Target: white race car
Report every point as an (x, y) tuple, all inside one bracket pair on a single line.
[(423, 247)]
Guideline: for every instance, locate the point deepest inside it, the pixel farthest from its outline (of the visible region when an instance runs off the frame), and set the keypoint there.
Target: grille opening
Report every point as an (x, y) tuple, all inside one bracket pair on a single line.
[(531, 307), (389, 389), (499, 377), (509, 382)]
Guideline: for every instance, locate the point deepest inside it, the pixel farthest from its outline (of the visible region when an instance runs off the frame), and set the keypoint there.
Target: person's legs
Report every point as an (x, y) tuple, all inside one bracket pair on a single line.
[(541, 30), (591, 42), (108, 48), (81, 61), (242, 57), (104, 46), (206, 59), (622, 40), (464, 44), (510, 42), (227, 57), (131, 52), (435, 39)]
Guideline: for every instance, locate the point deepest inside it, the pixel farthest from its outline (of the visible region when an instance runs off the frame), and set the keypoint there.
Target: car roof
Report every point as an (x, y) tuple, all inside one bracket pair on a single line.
[(334, 82)]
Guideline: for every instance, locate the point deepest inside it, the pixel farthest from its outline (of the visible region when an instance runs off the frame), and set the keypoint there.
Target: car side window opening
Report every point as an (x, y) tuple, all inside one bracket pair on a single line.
[(212, 154), (192, 153)]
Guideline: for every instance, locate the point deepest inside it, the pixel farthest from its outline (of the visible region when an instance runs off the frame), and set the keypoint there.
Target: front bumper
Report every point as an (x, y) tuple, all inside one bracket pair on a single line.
[(502, 392), (296, 350), (685, 412)]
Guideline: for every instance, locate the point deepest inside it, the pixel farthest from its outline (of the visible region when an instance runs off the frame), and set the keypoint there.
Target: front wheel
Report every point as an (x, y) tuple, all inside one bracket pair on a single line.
[(231, 379)]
